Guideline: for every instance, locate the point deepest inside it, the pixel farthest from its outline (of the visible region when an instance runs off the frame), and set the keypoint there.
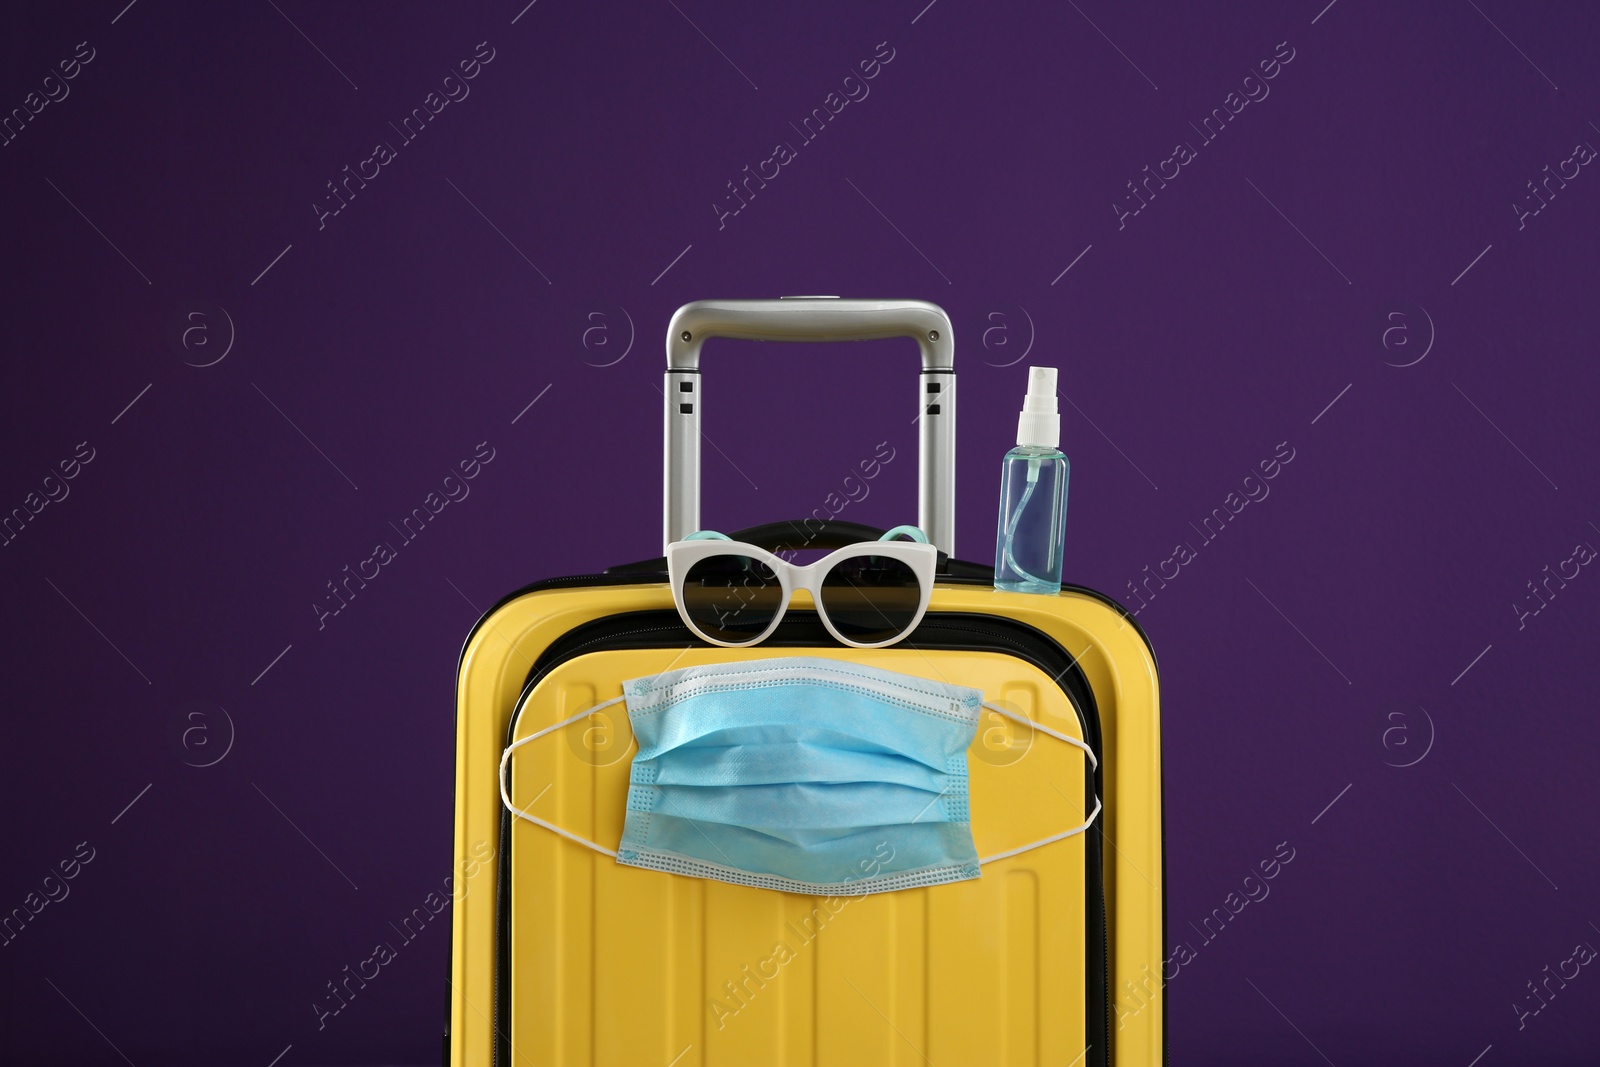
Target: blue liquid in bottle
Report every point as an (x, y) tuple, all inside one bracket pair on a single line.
[(1033, 518)]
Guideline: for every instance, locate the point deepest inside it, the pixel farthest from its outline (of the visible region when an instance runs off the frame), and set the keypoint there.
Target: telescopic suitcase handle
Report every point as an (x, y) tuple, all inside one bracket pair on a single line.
[(814, 318)]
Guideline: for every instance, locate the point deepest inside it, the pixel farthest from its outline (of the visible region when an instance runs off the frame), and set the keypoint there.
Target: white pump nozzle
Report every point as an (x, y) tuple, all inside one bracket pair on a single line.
[(1040, 424)]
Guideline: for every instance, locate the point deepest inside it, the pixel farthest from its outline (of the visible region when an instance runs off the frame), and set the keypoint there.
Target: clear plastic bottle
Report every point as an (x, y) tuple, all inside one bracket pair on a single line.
[(1029, 540)]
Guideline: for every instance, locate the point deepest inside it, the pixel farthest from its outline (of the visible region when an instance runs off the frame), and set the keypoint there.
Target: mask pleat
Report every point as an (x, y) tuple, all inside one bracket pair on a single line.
[(801, 773)]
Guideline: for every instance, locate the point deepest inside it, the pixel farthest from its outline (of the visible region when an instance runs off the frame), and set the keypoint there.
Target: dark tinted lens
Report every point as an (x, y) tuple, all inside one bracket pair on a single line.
[(731, 598), (871, 598)]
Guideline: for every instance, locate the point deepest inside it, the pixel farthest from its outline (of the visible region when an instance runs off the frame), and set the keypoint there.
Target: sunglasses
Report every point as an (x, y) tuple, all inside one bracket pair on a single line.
[(735, 594)]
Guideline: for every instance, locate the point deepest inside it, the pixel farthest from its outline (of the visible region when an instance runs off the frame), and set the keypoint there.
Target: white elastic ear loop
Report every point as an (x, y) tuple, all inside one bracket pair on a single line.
[(1093, 765), (505, 757)]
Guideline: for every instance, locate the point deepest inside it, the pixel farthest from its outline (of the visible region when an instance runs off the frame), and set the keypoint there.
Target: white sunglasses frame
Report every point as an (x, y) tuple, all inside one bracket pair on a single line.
[(921, 558)]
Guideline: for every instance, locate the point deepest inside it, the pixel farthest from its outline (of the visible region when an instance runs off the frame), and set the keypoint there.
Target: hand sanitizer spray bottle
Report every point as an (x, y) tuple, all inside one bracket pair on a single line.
[(1033, 495)]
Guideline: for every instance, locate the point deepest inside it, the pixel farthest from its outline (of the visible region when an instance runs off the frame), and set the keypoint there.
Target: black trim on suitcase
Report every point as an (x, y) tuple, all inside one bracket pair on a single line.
[(613, 576), (779, 536), (941, 631)]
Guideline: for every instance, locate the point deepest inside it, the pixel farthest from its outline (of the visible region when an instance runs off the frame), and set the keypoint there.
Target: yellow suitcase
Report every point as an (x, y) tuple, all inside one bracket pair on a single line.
[(564, 956)]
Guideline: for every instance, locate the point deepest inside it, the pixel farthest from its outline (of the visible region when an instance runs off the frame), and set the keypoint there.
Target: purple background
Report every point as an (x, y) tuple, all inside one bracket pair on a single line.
[(1322, 639)]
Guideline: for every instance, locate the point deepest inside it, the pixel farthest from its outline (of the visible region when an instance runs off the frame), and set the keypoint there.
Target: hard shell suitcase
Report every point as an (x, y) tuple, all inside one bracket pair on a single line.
[(1053, 956)]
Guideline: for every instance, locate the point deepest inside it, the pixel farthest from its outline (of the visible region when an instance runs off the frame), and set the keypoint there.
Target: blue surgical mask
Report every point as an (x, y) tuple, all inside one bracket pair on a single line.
[(801, 774)]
